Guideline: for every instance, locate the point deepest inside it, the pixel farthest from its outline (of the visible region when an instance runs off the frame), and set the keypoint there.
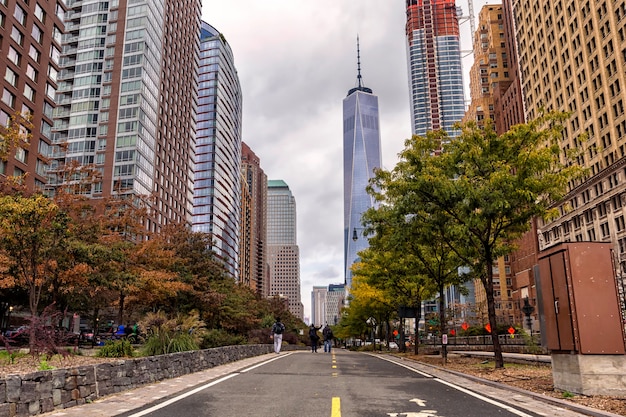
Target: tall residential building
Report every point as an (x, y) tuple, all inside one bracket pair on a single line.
[(335, 298), (434, 65), (282, 246), (318, 305), (361, 156), (490, 67), (255, 182), (127, 101), (507, 99), (31, 34), (571, 57), (489, 71), (217, 186)]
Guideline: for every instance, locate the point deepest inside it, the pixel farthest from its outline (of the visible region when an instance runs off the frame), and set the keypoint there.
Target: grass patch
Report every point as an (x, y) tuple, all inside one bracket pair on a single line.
[(10, 358)]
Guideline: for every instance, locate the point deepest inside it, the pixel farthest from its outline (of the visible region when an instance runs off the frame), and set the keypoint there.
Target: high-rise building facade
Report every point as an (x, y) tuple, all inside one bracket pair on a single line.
[(31, 34), (571, 57), (361, 156), (127, 101), (490, 67), (283, 253), (434, 65), (217, 186), (488, 72), (254, 181)]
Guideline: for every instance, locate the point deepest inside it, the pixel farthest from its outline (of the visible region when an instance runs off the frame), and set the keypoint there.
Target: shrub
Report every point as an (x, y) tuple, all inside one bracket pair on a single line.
[(218, 337), (180, 334), (116, 349)]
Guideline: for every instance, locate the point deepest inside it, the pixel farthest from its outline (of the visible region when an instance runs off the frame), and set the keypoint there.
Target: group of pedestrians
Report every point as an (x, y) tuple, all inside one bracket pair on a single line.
[(327, 334), (278, 328)]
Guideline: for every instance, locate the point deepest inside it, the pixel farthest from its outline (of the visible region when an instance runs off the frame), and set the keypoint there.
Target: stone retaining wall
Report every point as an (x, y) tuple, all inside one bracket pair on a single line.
[(45, 391)]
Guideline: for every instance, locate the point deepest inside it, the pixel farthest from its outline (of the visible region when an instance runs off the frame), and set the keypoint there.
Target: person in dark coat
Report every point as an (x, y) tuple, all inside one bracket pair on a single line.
[(314, 337)]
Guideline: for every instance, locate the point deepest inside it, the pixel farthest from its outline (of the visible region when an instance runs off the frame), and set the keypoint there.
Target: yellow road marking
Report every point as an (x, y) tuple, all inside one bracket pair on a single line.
[(336, 409), (334, 366)]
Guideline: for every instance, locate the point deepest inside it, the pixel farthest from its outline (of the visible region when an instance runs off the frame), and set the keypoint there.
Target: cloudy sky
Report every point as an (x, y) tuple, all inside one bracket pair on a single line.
[(296, 61)]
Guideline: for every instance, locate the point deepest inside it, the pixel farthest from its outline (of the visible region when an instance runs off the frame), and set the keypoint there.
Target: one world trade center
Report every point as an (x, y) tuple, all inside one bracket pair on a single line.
[(361, 156)]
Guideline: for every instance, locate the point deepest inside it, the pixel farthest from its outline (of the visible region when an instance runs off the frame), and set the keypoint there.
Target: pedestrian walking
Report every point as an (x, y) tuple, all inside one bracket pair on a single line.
[(328, 338), (278, 328), (314, 337)]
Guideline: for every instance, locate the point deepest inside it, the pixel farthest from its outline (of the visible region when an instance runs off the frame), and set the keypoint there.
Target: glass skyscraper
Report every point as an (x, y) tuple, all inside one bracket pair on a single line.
[(434, 65), (217, 172), (361, 156)]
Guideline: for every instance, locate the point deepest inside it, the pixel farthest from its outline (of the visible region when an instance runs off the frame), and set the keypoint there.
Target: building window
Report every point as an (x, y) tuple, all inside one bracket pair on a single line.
[(619, 223), (17, 36), (37, 34), (40, 13), (11, 77), (14, 56), (29, 92), (34, 53), (8, 98), (20, 15)]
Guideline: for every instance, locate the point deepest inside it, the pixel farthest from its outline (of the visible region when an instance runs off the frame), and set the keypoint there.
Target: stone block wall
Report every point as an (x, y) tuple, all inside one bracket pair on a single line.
[(45, 391)]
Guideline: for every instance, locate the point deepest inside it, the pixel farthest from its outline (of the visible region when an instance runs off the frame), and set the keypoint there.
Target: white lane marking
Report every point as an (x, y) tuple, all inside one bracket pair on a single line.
[(180, 397), (264, 363), (203, 387), (485, 399), (421, 403), (404, 366)]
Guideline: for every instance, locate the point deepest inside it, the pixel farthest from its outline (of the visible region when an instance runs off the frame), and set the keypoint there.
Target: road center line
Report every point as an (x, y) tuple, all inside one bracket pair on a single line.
[(336, 407)]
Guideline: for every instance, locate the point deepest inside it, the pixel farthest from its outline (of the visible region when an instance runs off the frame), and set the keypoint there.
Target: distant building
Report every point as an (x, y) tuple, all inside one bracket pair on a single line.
[(217, 169), (335, 300), (318, 305), (255, 222), (282, 246), (434, 64), (31, 34), (361, 156)]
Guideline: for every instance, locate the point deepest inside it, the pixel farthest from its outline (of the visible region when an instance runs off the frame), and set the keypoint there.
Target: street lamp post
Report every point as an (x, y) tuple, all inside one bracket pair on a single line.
[(528, 310)]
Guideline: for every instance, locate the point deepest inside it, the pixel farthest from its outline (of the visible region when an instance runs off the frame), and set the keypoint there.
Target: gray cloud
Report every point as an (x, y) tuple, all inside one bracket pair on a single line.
[(296, 61)]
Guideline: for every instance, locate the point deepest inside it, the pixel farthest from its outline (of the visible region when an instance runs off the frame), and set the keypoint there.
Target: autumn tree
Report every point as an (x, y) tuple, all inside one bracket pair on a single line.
[(485, 188), (33, 231), (12, 136)]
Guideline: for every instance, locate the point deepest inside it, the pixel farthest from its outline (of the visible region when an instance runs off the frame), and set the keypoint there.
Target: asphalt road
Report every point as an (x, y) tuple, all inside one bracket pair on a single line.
[(320, 384)]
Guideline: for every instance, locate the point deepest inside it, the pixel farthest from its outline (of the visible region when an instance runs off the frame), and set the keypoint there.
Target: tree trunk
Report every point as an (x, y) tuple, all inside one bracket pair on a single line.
[(442, 323), (418, 317), (491, 313), (120, 317)]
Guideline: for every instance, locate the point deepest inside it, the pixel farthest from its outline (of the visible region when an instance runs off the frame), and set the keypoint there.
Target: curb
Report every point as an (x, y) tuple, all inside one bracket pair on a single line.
[(584, 410)]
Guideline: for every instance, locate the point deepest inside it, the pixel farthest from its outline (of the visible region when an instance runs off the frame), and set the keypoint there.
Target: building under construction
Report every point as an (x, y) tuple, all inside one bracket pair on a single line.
[(434, 63)]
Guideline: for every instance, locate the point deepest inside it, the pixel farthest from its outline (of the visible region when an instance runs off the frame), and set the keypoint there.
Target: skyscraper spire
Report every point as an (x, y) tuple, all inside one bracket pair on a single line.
[(358, 61), (360, 86)]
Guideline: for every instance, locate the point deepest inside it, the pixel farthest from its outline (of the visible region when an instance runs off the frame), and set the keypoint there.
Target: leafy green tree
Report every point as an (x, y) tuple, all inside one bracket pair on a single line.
[(485, 188)]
